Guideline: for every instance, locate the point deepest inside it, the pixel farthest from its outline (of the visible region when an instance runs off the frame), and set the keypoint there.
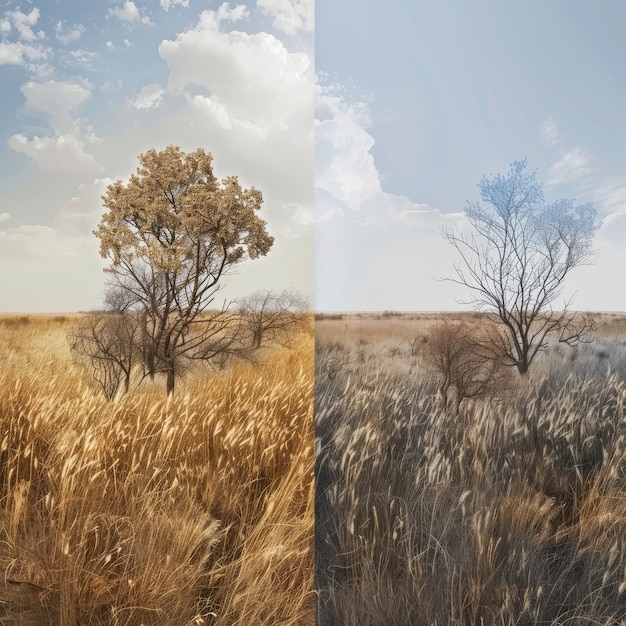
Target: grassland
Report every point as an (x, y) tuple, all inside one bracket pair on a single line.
[(197, 509), (512, 512)]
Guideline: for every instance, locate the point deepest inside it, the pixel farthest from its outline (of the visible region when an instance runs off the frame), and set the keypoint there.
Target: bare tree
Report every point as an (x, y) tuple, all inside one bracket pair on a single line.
[(273, 315), (107, 341), (516, 259), (462, 358), (171, 233)]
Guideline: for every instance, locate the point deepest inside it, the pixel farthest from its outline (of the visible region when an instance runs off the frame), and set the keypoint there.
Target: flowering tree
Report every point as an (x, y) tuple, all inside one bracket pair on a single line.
[(171, 232)]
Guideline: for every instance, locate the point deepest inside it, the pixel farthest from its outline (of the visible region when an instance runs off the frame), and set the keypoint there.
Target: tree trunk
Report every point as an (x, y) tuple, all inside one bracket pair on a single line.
[(258, 336), (170, 381)]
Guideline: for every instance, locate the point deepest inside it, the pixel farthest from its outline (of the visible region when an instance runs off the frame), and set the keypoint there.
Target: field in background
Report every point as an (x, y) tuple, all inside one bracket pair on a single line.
[(511, 512), (192, 510)]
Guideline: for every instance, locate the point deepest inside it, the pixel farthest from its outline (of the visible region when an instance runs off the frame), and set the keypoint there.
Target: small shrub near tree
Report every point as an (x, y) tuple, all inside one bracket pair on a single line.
[(463, 359)]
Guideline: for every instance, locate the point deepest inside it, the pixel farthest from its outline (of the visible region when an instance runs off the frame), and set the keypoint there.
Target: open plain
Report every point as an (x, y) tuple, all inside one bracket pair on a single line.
[(509, 510)]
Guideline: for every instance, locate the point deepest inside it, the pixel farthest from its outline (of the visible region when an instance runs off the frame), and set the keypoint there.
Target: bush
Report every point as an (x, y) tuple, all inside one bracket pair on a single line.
[(464, 361)]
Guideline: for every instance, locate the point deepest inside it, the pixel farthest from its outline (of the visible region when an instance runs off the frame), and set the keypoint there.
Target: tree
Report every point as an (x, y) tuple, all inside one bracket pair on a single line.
[(273, 315), (517, 258), (107, 342), (462, 359), (171, 232)]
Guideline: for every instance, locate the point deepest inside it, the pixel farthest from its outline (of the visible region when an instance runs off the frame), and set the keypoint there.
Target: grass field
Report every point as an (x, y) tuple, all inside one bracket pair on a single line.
[(512, 512), (196, 509)]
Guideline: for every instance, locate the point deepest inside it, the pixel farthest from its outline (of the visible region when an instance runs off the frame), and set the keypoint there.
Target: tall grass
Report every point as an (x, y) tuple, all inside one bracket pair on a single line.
[(196, 509), (512, 512)]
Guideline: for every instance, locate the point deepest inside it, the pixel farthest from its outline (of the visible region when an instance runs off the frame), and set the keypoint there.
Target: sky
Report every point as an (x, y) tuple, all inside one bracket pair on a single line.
[(89, 86), (417, 102)]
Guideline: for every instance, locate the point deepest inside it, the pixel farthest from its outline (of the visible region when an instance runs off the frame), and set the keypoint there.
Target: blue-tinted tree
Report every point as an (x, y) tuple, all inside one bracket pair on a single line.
[(516, 259)]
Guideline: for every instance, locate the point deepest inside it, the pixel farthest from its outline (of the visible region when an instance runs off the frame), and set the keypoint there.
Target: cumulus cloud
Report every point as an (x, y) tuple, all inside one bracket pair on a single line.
[(345, 167), (19, 53), (128, 12), (167, 4), (56, 100), (148, 97), (27, 50), (82, 58), (252, 78), (251, 100), (289, 15), (349, 173), (24, 24), (573, 165), (4, 216), (365, 235), (68, 36), (60, 153)]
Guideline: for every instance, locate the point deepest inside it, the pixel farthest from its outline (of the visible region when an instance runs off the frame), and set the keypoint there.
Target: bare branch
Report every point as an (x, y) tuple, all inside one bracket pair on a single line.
[(516, 260)]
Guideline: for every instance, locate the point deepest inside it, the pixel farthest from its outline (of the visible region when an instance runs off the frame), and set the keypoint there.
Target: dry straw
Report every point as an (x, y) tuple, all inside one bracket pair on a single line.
[(192, 510)]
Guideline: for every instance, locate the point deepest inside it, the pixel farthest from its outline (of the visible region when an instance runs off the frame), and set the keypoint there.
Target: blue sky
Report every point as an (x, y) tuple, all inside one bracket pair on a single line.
[(88, 86), (417, 102)]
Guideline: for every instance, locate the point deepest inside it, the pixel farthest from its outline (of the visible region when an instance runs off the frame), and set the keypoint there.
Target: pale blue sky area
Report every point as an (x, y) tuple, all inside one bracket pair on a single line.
[(88, 86), (418, 101)]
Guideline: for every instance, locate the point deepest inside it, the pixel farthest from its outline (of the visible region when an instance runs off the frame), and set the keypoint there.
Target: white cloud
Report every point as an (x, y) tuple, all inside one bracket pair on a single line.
[(128, 12), (83, 58), (551, 132), (252, 78), (18, 53), (573, 165), (60, 153), (57, 100), (5, 216), (24, 23), (257, 114), (148, 97), (225, 13), (345, 166), (366, 236), (212, 109), (74, 34), (348, 171), (167, 4), (289, 15), (28, 49), (333, 102)]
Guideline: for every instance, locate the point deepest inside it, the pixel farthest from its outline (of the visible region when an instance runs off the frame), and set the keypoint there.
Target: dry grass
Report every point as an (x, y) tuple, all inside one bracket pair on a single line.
[(511, 513), (192, 510)]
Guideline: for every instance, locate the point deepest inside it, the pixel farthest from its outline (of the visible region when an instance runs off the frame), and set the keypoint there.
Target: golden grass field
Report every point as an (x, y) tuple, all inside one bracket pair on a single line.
[(196, 509), (511, 512)]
